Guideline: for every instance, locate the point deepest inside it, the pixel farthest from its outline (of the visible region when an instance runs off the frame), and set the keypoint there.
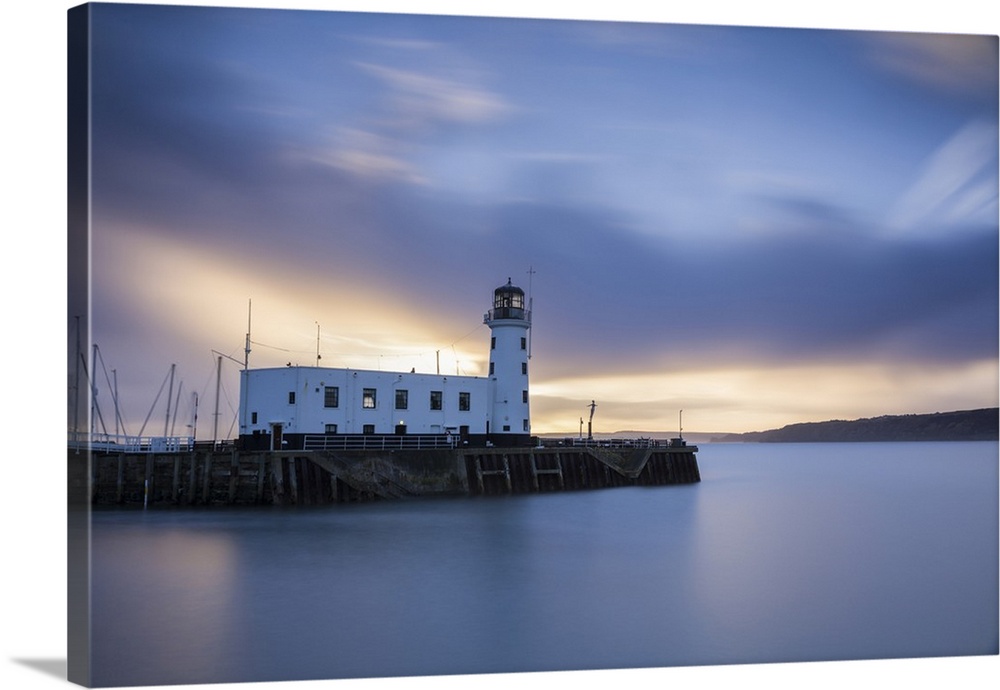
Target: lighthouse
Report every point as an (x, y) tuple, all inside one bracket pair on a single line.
[(324, 408), (509, 322)]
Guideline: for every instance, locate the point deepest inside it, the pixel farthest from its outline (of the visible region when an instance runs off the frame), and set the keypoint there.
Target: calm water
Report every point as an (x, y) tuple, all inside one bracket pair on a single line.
[(782, 553)]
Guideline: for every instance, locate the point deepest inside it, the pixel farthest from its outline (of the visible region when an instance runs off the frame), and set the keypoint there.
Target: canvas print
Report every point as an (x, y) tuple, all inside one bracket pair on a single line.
[(423, 345)]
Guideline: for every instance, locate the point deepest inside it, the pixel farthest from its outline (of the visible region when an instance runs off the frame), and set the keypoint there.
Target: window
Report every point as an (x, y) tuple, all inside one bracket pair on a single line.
[(493, 343), (402, 399), (506, 427), (508, 297), (368, 429), (464, 402), (524, 396), (436, 400), (331, 396), (368, 399), (291, 397), (253, 417), (524, 343), (331, 428), (526, 425), (491, 368), (524, 368)]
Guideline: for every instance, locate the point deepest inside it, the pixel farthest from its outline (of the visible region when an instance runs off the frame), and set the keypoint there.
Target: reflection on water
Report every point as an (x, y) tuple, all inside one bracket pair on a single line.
[(796, 552)]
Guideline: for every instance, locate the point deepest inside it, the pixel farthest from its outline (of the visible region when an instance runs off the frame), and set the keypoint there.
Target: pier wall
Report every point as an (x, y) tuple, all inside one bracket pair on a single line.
[(234, 477)]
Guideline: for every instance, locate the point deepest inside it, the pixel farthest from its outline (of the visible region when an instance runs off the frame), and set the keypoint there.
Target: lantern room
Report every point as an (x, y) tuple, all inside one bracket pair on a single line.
[(508, 302)]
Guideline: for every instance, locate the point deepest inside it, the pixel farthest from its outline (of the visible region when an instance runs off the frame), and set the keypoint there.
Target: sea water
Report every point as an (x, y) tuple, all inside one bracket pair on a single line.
[(784, 552)]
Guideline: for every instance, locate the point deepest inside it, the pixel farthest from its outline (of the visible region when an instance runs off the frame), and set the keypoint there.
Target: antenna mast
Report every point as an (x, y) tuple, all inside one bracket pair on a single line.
[(531, 273)]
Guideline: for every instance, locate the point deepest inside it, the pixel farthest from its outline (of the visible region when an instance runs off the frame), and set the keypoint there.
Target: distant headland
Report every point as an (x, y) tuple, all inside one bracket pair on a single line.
[(963, 425)]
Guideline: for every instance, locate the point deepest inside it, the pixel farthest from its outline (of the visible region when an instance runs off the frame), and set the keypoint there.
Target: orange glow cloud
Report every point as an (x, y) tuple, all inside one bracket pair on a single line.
[(759, 397)]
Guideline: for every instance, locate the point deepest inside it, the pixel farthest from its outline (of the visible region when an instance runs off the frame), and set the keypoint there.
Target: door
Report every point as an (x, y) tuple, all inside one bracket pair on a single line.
[(276, 436)]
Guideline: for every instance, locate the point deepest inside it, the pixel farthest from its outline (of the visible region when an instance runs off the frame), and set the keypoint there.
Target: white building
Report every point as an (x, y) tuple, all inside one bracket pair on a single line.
[(294, 407)]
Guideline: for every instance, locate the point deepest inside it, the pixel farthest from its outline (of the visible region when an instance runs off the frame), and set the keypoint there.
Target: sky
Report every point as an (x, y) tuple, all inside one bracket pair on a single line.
[(758, 226)]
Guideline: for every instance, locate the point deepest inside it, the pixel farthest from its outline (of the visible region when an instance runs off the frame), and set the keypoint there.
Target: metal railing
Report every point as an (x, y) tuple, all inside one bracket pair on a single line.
[(516, 313), (616, 442), (123, 443), (376, 442)]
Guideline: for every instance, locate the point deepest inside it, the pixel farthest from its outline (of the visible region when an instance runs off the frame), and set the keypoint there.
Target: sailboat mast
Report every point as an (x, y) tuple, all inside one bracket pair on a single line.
[(170, 395), (114, 375), (93, 393), (194, 416), (246, 349), (177, 407), (244, 380), (218, 383), (76, 383)]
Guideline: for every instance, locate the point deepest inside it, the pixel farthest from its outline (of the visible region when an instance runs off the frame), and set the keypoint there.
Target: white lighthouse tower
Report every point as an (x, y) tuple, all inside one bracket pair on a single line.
[(509, 322)]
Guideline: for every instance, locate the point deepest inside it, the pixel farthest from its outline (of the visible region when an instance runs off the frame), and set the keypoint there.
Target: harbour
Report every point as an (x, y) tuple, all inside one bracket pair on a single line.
[(313, 435)]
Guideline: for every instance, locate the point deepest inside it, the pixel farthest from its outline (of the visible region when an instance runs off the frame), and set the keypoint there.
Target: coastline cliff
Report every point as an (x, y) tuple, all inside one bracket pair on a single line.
[(963, 425)]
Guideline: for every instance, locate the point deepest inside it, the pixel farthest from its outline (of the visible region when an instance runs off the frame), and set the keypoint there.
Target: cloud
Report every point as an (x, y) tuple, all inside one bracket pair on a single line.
[(415, 106), (372, 164), (806, 290), (366, 155), (419, 99), (161, 299), (954, 64), (753, 396), (956, 186)]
